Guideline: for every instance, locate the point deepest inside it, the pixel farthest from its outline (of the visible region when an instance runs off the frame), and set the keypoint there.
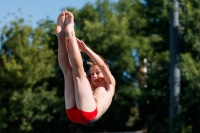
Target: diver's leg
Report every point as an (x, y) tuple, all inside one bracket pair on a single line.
[(64, 62), (83, 91)]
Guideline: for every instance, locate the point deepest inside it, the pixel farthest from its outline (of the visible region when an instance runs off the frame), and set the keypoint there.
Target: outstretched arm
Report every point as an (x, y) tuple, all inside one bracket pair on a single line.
[(98, 61)]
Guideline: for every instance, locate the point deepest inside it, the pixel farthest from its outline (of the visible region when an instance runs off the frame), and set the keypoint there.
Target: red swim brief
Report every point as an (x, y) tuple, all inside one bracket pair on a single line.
[(81, 117)]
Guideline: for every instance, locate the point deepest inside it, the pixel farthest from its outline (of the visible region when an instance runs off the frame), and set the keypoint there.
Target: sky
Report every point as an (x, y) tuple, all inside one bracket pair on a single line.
[(34, 10)]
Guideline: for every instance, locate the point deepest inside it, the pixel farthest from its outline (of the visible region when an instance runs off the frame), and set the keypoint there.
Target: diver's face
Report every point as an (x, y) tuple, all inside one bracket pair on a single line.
[(96, 75)]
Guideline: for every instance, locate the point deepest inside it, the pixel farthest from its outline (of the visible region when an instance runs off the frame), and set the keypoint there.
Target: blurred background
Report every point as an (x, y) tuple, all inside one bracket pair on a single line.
[(132, 35)]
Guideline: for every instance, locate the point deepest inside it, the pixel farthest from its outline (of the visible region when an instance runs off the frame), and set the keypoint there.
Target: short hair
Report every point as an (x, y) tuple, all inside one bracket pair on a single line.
[(91, 62)]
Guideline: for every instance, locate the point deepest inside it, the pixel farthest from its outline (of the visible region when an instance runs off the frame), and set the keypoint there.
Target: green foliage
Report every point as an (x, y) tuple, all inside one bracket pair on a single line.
[(32, 105), (26, 63), (31, 88), (26, 58)]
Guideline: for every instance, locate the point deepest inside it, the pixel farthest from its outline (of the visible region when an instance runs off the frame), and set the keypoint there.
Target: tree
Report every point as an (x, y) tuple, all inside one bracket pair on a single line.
[(124, 33), (26, 63), (154, 100), (101, 29)]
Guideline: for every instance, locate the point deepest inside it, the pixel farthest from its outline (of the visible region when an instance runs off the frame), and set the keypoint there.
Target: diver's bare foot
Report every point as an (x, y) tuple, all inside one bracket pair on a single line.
[(60, 23), (69, 21)]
